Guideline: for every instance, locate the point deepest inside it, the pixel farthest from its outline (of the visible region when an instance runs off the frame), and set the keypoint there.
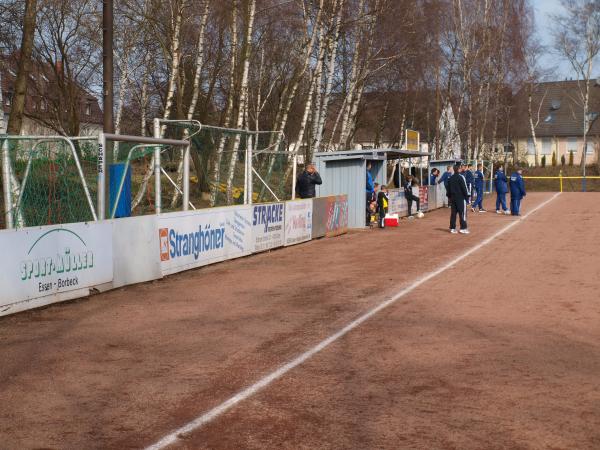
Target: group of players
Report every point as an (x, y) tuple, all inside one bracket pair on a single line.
[(465, 187)]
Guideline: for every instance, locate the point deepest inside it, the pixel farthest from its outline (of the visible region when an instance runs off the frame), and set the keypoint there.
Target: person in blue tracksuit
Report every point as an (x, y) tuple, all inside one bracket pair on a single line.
[(501, 190), (517, 191), (469, 178), (435, 173), (370, 183), (478, 182)]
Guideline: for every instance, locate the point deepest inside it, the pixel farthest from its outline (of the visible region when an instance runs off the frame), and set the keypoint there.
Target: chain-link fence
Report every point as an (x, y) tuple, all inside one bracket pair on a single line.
[(53, 180), (48, 181), (132, 179), (229, 166)]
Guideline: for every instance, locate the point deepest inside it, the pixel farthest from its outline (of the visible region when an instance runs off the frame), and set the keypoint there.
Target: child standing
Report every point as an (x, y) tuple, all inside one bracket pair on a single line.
[(382, 205)]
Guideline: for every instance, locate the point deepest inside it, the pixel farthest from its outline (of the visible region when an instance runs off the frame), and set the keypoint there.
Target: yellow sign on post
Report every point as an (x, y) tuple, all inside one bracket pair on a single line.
[(412, 140)]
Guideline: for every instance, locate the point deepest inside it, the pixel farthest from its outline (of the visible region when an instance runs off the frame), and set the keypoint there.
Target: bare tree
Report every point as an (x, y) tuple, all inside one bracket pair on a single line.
[(577, 38), (15, 122)]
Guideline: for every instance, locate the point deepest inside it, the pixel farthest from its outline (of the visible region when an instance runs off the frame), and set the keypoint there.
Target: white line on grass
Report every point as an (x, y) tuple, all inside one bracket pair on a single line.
[(207, 417)]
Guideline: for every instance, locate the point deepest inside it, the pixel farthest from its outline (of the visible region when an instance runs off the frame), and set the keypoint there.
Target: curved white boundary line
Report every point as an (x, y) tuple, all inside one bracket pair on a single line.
[(207, 417)]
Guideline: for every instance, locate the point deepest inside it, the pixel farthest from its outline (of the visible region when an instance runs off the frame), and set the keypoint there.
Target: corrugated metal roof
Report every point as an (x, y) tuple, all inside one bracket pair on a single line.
[(389, 153)]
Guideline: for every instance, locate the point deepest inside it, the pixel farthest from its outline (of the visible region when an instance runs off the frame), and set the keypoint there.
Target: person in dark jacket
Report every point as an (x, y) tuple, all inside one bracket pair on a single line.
[(517, 191), (459, 195), (435, 173), (306, 182), (370, 184), (469, 179), (410, 197), (479, 180), (501, 190), (382, 205), (372, 204), (444, 179)]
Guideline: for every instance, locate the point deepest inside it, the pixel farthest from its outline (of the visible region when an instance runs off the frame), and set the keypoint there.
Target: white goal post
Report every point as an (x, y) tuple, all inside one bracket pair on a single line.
[(157, 143)]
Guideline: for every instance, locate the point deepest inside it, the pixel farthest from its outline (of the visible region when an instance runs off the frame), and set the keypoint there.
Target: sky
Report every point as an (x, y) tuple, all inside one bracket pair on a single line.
[(557, 67)]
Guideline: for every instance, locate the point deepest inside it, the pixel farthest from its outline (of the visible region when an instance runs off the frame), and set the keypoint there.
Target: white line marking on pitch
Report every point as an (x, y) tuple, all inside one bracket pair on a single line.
[(207, 417)]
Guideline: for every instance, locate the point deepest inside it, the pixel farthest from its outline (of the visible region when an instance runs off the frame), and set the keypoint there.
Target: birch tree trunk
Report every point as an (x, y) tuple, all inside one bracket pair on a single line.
[(334, 42), (124, 82), (216, 172), (289, 96), (144, 96), (533, 124), (353, 82), (173, 77), (193, 103), (314, 91), (245, 61)]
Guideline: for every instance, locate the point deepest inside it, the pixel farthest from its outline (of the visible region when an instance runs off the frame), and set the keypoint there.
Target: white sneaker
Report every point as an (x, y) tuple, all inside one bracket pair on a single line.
[(498, 211), (453, 231), (507, 213), (411, 217), (464, 232)]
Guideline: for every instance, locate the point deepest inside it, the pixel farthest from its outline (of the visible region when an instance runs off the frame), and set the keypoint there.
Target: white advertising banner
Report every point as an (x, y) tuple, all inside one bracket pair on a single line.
[(298, 221), (53, 260), (135, 241), (268, 226), (196, 238)]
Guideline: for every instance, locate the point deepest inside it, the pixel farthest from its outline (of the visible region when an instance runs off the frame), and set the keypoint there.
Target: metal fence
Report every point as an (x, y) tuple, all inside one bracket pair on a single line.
[(186, 165)]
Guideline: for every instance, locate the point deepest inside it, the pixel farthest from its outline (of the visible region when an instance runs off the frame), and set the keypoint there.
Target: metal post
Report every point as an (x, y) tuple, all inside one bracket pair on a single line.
[(107, 63), (250, 186), (157, 186), (101, 177), (583, 181), (186, 177), (560, 175), (8, 213), (83, 183), (294, 176)]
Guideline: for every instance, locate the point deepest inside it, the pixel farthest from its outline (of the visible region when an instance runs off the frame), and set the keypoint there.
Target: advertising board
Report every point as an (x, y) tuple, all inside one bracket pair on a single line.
[(424, 197), (413, 138), (268, 226), (319, 215), (134, 248), (397, 204), (298, 221), (337, 215), (196, 238), (52, 261)]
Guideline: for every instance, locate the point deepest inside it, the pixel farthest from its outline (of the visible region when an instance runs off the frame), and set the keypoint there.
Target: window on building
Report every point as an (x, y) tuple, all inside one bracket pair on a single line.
[(571, 145), (530, 147), (549, 118), (8, 98), (591, 146), (88, 109), (546, 146), (43, 105)]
